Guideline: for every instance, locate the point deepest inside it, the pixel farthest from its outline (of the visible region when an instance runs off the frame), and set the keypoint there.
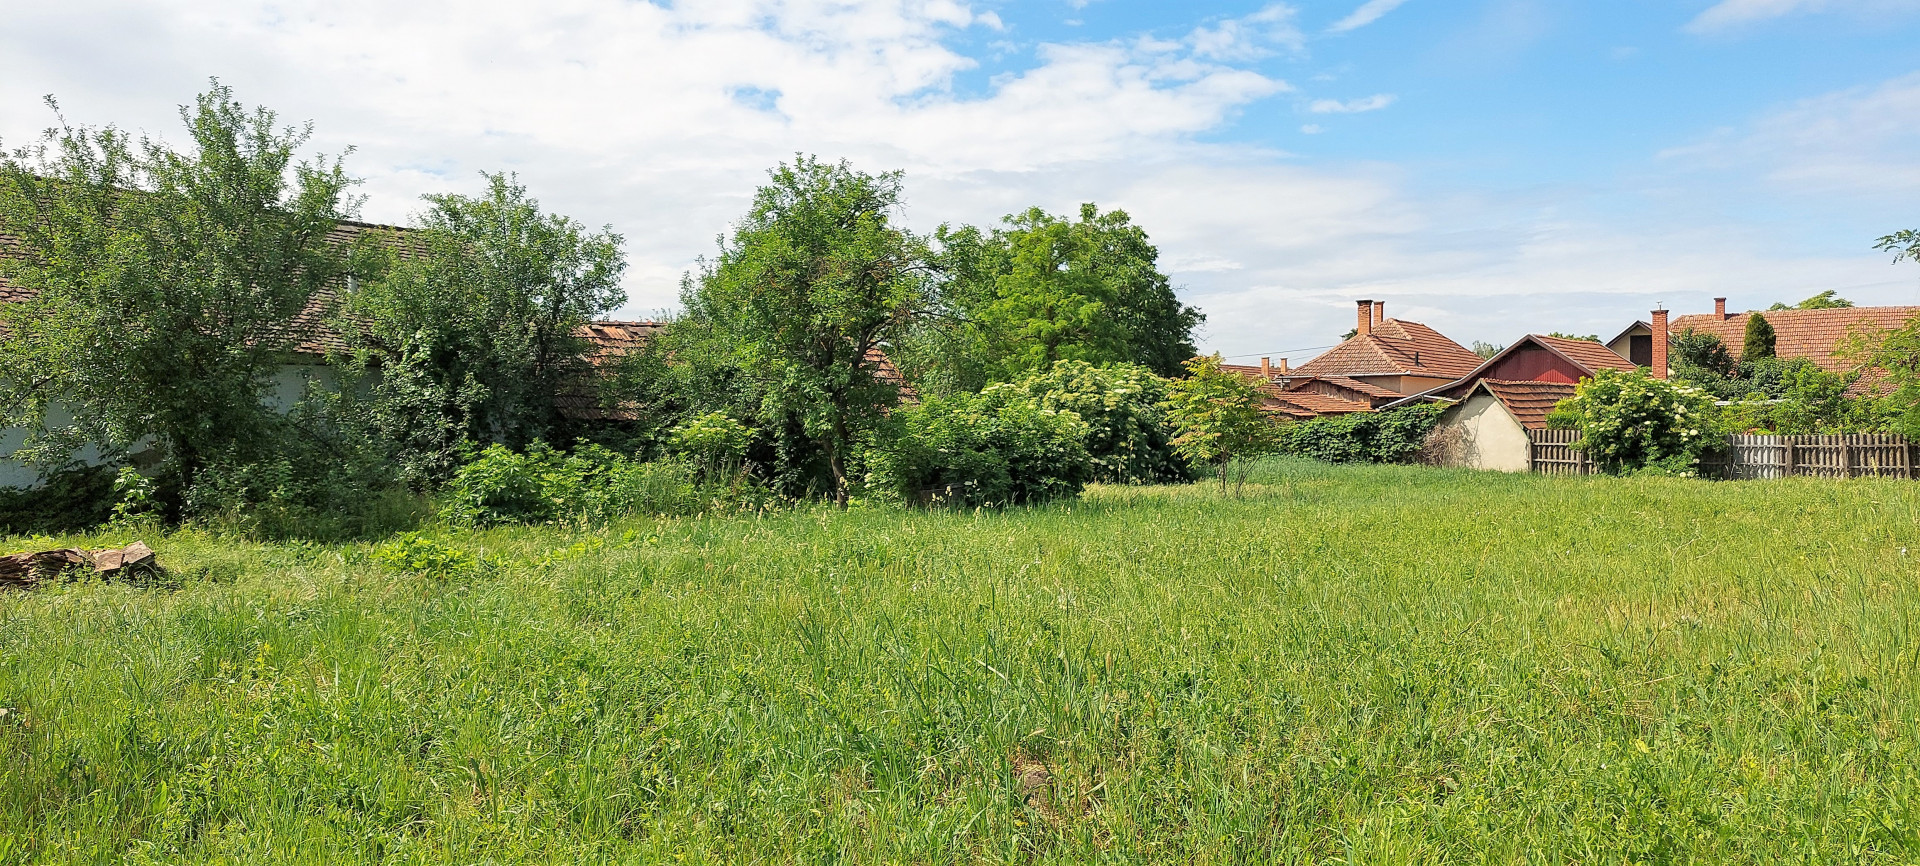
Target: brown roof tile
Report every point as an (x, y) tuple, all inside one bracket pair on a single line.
[(1528, 401), (1395, 347), (1810, 334), (1586, 353), (1301, 405)]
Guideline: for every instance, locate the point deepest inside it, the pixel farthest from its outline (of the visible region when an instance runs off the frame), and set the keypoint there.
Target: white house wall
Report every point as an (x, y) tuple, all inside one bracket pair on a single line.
[(1491, 437), (289, 385)]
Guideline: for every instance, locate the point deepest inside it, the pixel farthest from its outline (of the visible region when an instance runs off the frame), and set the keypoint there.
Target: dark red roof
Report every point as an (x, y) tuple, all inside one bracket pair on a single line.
[(1394, 347)]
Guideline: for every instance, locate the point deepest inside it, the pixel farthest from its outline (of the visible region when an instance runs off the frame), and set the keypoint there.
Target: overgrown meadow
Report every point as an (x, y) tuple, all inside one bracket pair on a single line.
[(1353, 664)]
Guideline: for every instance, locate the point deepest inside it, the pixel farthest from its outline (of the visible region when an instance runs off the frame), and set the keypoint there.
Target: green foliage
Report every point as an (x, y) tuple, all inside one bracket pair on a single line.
[(1904, 244), (714, 443), (1589, 338), (163, 283), (1759, 339), (1632, 421), (1827, 300), (1393, 436), (591, 484), (423, 554), (1218, 417), (1122, 404), (1897, 408), (1043, 288), (1487, 350), (814, 280), (1700, 357), (68, 500), (469, 332), (996, 448)]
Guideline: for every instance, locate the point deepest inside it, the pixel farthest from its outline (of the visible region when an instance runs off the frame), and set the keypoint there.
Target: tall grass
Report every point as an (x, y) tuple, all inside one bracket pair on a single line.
[(1356, 664)]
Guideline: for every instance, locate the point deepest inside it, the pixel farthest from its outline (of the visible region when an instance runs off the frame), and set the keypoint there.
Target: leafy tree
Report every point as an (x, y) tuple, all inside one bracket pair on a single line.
[(163, 283), (1218, 417), (1701, 351), (1827, 300), (1904, 244), (1043, 288), (1759, 339), (1590, 338), (1127, 437), (473, 328), (1487, 350), (1630, 422), (814, 280)]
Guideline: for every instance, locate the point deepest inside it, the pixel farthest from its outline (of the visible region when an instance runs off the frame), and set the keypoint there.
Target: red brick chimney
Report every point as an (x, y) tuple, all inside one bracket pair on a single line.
[(1366, 318), (1720, 309), (1283, 367), (1266, 368), (1659, 364), (1379, 312)]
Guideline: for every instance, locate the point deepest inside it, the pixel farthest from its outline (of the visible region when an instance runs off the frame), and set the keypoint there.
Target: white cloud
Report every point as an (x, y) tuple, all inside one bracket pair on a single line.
[(1312, 129), (1858, 141), (1369, 12), (1250, 37), (1728, 14), (1351, 106)]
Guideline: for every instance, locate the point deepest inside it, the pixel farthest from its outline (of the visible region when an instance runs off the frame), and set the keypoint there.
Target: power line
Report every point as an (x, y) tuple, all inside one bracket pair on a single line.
[(1272, 352)]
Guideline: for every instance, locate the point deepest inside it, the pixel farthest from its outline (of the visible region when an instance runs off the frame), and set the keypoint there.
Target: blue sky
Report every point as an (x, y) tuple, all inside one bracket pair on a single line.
[(1492, 167)]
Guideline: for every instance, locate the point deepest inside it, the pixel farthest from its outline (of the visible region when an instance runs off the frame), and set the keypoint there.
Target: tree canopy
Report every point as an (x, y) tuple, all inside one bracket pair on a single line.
[(1827, 300), (814, 279), (1759, 339), (1042, 288), (164, 282)]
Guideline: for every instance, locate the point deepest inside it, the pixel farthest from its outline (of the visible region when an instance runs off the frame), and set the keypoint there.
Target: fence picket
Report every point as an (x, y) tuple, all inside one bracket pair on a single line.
[(1748, 456)]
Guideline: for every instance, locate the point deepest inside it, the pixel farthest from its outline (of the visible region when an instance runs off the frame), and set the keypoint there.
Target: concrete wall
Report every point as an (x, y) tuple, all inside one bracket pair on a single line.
[(290, 384), (1489, 436)]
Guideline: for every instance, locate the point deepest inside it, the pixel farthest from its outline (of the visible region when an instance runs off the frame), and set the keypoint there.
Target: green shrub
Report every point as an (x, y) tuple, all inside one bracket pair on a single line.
[(1218, 417), (418, 553), (993, 448), (714, 443), (1632, 421), (541, 484), (65, 501), (1393, 436), (1128, 437)]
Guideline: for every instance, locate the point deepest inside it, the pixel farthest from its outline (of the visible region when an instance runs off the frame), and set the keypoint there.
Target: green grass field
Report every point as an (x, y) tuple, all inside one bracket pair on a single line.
[(1364, 665)]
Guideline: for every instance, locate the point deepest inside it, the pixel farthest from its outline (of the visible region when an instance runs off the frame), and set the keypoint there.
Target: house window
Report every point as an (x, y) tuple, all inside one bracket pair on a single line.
[(1640, 350)]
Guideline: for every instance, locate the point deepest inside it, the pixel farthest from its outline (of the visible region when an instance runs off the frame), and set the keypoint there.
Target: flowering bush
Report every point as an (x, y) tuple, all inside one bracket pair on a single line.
[(1630, 422)]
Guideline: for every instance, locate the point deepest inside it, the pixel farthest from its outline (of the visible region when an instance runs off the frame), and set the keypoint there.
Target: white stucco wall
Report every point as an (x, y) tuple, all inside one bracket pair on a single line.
[(1491, 437), (289, 385)]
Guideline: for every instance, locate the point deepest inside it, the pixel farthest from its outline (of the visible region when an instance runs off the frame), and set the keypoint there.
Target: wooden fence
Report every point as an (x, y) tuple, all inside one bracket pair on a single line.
[(1863, 455)]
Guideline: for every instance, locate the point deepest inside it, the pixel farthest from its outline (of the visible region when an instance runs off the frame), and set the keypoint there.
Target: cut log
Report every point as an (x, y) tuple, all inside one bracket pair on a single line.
[(23, 570)]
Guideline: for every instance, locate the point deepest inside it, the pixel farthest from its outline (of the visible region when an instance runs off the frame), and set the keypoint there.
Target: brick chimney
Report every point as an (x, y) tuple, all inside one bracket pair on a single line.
[(1379, 312), (1659, 364), (1720, 309), (1283, 367), (1366, 318), (1266, 368)]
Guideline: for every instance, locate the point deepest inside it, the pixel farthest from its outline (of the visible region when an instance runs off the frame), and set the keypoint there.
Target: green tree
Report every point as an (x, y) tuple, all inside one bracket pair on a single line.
[(813, 281), (1827, 300), (1587, 338), (163, 282), (1123, 406), (1218, 417), (1904, 244), (1043, 288), (1759, 339), (1487, 350), (472, 330)]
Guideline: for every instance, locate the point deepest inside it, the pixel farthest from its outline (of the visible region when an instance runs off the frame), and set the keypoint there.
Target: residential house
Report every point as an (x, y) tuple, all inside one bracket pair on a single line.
[(1817, 335), (1494, 405), (1385, 360)]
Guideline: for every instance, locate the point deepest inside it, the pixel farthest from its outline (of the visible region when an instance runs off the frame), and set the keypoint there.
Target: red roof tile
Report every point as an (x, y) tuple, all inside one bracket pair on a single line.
[(1394, 347), (1810, 334), (1528, 401), (1302, 405), (1586, 353)]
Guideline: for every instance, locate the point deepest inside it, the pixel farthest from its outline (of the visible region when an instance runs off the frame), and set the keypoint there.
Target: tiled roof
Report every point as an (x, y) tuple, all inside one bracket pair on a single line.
[(1586, 353), (1248, 372), (1528, 401), (1810, 334), (1301, 405), (1394, 347), (1366, 388)]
